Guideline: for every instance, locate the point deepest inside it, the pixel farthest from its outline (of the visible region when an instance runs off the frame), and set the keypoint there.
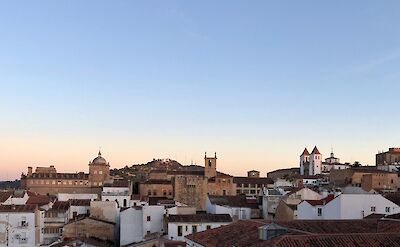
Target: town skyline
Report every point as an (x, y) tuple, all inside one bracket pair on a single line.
[(255, 83), (65, 165)]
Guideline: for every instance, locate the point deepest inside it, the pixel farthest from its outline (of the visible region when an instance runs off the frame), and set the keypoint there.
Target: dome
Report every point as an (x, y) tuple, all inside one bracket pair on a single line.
[(99, 160)]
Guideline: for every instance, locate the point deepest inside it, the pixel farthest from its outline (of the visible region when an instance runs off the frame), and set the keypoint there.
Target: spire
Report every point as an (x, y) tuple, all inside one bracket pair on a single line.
[(99, 154), (332, 155), (305, 152), (315, 151), (215, 154), (205, 155)]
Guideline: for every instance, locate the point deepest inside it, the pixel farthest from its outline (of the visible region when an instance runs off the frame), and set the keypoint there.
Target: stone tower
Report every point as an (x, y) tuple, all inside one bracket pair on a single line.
[(304, 161), (99, 171), (315, 162), (210, 166)]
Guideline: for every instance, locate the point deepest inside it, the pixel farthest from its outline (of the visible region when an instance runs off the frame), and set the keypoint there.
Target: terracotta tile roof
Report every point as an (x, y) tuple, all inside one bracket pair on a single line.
[(60, 206), (39, 200), (345, 240), (18, 208), (322, 201), (233, 201), (394, 197), (5, 195), (79, 202), (170, 243), (374, 216), (252, 180), (200, 218), (319, 232), (85, 217)]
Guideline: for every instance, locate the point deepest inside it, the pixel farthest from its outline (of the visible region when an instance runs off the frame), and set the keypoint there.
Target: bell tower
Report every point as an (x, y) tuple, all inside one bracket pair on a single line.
[(210, 166)]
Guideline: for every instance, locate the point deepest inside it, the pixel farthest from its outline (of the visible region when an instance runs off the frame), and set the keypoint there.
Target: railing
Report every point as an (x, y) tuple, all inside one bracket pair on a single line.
[(115, 193)]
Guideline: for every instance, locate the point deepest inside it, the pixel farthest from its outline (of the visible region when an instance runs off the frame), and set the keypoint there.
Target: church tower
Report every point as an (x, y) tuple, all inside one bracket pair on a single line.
[(210, 166), (315, 162), (99, 171), (304, 161)]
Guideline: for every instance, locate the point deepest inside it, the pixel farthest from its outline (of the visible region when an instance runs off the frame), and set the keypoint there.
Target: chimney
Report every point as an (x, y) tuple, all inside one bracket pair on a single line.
[(29, 171)]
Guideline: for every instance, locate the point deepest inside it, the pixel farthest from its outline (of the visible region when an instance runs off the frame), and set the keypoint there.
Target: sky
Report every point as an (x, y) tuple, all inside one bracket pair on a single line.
[(256, 82)]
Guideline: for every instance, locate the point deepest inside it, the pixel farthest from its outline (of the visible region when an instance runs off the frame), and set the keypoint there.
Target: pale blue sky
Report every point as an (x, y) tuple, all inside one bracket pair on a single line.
[(254, 81)]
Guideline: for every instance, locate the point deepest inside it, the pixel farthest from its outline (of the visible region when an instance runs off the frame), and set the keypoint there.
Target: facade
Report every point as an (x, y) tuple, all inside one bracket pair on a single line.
[(118, 192), (270, 201), (332, 163), (21, 225), (359, 176), (346, 206), (239, 207), (90, 228), (54, 221), (46, 180), (252, 185), (287, 207), (139, 223), (391, 157), (311, 164), (180, 226)]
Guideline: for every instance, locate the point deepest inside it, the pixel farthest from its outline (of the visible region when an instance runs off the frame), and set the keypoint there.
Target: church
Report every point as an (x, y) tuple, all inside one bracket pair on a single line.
[(46, 180)]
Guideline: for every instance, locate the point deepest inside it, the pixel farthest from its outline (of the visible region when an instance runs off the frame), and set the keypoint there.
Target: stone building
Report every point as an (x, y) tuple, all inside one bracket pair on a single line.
[(46, 180), (189, 186), (389, 160), (365, 177)]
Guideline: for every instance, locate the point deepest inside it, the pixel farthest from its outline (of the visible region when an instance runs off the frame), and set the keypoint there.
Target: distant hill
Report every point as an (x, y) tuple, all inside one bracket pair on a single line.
[(155, 164), (10, 184)]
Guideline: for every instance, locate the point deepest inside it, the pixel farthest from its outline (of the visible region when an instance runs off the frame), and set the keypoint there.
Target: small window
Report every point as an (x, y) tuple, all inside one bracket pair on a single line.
[(387, 209), (179, 231), (186, 228), (148, 218), (373, 209), (100, 172), (194, 229), (208, 227), (319, 211)]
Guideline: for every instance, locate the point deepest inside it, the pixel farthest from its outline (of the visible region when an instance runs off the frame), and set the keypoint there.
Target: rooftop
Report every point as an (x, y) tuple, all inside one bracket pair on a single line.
[(304, 233), (200, 218), (18, 208), (252, 180), (233, 201)]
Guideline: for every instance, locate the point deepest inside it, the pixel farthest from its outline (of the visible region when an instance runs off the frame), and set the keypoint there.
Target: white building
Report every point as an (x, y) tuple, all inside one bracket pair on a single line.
[(119, 194), (238, 207), (79, 207), (81, 196), (54, 221), (21, 225), (138, 222), (270, 201), (346, 206), (180, 226)]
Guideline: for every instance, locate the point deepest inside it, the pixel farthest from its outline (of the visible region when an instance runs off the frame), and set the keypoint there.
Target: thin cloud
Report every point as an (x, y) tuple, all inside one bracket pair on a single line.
[(378, 61)]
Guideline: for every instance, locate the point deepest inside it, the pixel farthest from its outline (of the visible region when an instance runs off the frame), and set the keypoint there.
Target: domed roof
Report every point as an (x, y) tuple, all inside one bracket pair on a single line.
[(99, 160)]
